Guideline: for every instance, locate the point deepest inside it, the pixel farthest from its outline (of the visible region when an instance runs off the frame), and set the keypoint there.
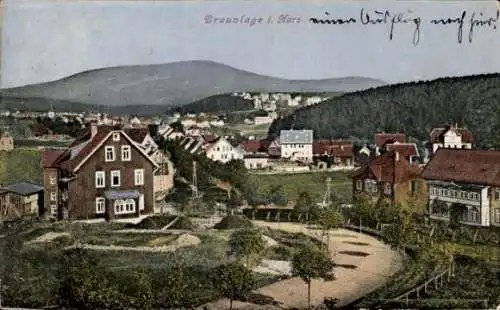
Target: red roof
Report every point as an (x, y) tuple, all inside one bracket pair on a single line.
[(465, 166), (437, 134), (382, 139), (339, 148), (404, 149), (252, 146), (49, 156), (386, 168)]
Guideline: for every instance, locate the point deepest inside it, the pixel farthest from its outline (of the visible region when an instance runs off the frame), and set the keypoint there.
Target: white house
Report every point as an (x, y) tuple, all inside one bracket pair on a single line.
[(256, 161), (297, 145), (222, 150), (451, 137), (464, 184)]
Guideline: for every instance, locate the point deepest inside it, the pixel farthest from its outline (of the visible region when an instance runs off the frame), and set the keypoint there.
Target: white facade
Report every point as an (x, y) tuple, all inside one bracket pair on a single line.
[(223, 151), (256, 162), (451, 140), (297, 145), (301, 152), (476, 202)]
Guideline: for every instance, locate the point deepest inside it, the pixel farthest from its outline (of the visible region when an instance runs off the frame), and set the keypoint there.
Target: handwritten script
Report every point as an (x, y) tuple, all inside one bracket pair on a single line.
[(465, 21)]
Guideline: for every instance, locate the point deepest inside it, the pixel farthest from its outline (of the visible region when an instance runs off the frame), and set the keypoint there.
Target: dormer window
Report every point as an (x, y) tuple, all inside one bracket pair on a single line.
[(116, 136), (109, 153)]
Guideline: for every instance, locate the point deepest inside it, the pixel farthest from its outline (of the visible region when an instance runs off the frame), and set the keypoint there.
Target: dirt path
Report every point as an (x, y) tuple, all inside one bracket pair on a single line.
[(372, 270)]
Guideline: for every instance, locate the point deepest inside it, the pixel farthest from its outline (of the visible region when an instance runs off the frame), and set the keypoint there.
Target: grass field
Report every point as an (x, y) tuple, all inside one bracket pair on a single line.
[(256, 130), (20, 165), (313, 183)]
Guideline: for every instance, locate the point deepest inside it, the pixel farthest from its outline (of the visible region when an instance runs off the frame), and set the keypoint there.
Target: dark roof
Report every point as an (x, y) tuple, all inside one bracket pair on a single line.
[(23, 188), (49, 156), (339, 148), (465, 166), (81, 151), (382, 139), (404, 149), (386, 168), (437, 134), (137, 134)]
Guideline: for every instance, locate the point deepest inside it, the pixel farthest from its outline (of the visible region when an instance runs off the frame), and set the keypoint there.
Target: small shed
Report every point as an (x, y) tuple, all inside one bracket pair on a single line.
[(23, 198)]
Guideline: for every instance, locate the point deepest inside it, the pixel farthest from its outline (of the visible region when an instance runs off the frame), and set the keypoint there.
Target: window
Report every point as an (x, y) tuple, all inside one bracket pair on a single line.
[(53, 180), (116, 136), (496, 194), (110, 153), (359, 184), (115, 178), (53, 210), (497, 216), (126, 153), (387, 188), (53, 196), (100, 205), (413, 187), (124, 206), (370, 185), (139, 177), (100, 179)]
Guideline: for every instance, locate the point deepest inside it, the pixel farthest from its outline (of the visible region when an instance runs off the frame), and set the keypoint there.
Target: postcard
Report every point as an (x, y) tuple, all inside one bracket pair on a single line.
[(249, 154)]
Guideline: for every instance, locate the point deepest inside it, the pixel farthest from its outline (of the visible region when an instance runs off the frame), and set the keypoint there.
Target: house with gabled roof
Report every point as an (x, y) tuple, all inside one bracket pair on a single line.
[(452, 137), (381, 139), (390, 176), (407, 150), (103, 174), (340, 151), (223, 151), (297, 145), (464, 186)]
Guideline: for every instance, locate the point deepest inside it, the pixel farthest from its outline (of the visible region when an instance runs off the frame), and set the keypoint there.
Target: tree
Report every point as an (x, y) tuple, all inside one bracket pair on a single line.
[(330, 218), (176, 284), (233, 281), (86, 284), (246, 243), (401, 231), (303, 205), (309, 263)]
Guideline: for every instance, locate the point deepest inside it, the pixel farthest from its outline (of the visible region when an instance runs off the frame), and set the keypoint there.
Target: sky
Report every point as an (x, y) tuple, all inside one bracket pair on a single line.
[(48, 40)]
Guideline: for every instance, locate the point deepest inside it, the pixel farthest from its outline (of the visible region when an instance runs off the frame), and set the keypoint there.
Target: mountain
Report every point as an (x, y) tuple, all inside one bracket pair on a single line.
[(172, 84), (414, 108)]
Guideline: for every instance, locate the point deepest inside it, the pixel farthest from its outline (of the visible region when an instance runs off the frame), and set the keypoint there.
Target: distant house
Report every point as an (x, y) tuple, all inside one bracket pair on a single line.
[(451, 137), (19, 199), (256, 156), (104, 173), (274, 148), (6, 142), (390, 176), (297, 145), (339, 150), (464, 184), (193, 145), (381, 139), (223, 151), (408, 150)]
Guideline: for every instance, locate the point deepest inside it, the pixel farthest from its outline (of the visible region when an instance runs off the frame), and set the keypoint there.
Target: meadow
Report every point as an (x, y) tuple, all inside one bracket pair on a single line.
[(313, 183), (20, 165)]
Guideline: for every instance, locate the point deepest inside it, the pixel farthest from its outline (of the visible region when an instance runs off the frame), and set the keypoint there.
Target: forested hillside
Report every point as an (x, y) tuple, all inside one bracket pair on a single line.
[(414, 108), (213, 104)]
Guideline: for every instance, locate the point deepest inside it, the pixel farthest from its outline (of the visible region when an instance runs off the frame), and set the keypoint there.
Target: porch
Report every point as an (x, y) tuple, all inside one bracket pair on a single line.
[(120, 204)]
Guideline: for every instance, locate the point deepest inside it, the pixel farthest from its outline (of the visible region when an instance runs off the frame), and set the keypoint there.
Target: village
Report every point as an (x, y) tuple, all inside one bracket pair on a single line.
[(123, 171)]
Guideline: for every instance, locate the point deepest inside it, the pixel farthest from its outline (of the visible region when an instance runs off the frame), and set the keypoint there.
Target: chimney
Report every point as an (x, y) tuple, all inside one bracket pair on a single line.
[(93, 129), (396, 156)]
